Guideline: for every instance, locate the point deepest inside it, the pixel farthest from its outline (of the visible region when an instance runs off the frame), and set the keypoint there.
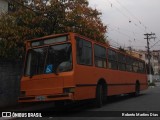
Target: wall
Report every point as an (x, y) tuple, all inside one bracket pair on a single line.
[(10, 73)]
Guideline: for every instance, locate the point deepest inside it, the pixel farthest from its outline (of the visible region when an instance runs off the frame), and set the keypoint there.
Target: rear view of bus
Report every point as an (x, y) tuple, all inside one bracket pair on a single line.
[(48, 69)]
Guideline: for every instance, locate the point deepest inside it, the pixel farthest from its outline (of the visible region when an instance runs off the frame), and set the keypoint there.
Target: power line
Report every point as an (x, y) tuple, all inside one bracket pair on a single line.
[(137, 20), (119, 10), (133, 36), (155, 44), (120, 32), (124, 34), (118, 28), (115, 43), (139, 23), (127, 16), (133, 16)]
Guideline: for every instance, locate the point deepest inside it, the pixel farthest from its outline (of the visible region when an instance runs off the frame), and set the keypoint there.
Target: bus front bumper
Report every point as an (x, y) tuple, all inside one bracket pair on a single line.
[(65, 96)]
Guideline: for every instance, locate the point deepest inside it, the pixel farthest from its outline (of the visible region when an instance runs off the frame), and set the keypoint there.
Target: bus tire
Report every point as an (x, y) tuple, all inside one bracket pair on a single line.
[(99, 96), (137, 89)]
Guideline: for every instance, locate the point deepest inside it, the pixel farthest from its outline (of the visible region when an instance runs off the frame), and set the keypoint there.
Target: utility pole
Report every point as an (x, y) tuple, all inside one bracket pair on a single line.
[(148, 37)]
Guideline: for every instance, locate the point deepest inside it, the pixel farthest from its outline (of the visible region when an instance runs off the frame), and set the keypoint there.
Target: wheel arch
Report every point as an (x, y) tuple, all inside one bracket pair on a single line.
[(103, 82), (137, 82)]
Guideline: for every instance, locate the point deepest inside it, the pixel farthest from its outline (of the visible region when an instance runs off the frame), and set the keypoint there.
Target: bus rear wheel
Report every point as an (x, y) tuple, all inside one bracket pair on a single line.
[(99, 96), (137, 89)]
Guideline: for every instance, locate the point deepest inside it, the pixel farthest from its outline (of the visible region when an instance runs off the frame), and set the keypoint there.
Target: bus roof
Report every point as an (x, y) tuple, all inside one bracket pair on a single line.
[(86, 38), (46, 37)]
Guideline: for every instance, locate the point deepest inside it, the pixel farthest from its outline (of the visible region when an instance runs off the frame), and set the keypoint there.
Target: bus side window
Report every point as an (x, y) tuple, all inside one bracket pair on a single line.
[(121, 62), (84, 52), (129, 66), (112, 59), (135, 65), (100, 56), (141, 67)]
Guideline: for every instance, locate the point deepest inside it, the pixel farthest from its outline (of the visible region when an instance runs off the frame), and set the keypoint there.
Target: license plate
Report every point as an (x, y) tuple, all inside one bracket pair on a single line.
[(40, 98)]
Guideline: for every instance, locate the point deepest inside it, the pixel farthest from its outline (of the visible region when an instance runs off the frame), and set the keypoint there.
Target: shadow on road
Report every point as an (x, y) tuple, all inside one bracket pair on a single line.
[(76, 109), (82, 107), (119, 98)]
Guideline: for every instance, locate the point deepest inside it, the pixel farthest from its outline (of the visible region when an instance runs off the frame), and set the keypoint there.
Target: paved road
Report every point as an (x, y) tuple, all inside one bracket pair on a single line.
[(149, 100)]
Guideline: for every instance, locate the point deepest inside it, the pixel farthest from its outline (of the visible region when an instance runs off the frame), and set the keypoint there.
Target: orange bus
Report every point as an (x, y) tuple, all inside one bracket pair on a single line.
[(71, 67)]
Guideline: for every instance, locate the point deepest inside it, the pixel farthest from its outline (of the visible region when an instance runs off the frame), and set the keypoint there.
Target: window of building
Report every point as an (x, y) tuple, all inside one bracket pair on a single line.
[(146, 56), (155, 57), (100, 56), (84, 52)]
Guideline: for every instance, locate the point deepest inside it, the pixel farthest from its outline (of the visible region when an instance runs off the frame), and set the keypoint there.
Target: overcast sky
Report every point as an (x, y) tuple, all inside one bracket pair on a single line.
[(128, 20)]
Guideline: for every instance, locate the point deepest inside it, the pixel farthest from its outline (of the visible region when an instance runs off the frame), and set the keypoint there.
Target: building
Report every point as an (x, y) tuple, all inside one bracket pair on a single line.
[(136, 54), (155, 62), (3, 6)]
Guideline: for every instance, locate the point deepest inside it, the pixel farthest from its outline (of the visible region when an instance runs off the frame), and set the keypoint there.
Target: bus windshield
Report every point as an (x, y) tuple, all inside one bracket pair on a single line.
[(49, 59)]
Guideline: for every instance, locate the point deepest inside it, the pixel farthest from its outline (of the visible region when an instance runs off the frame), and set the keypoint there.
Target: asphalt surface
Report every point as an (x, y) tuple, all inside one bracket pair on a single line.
[(147, 102)]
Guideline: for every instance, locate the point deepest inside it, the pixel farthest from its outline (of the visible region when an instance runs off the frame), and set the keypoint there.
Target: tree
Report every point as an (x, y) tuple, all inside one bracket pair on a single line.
[(122, 49), (35, 18)]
